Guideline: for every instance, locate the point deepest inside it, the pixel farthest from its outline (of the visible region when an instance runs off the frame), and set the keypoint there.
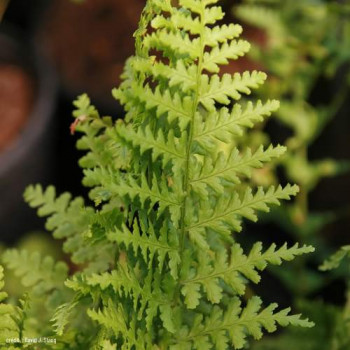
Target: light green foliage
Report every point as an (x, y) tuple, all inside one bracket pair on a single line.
[(332, 330), (40, 274), (79, 225), (304, 42), (9, 327), (297, 55), (160, 266), (341, 339), (238, 322), (43, 280), (230, 270), (334, 261)]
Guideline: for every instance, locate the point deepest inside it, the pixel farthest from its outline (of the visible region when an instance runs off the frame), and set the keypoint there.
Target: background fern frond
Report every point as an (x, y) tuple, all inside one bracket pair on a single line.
[(8, 314), (335, 260)]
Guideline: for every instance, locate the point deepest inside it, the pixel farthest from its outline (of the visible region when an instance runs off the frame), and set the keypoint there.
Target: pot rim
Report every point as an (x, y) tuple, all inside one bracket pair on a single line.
[(42, 109)]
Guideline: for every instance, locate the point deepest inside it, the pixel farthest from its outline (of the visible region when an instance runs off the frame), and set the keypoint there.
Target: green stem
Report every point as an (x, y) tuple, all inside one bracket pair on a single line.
[(189, 144), (186, 184)]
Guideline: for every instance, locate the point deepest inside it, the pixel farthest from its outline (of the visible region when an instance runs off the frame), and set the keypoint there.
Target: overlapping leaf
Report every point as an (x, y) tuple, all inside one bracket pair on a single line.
[(226, 213), (233, 326), (151, 245), (147, 296), (223, 89), (226, 169), (231, 268)]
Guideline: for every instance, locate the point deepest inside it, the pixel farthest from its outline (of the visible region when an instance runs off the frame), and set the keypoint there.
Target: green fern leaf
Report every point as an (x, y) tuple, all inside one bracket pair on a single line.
[(219, 89), (150, 245), (334, 261), (234, 325), (225, 214), (181, 75), (62, 315), (225, 170), (68, 219), (169, 147), (9, 328), (221, 34), (210, 273), (114, 318), (146, 298), (221, 55), (44, 276), (174, 44), (161, 102), (223, 125), (179, 19)]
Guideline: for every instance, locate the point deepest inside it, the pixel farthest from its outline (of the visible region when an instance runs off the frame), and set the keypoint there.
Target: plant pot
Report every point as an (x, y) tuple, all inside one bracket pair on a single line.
[(26, 149), (22, 14), (88, 44)]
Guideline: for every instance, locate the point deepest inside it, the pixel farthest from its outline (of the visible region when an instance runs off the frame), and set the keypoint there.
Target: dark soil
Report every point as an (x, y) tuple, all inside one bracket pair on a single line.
[(89, 42), (16, 99)]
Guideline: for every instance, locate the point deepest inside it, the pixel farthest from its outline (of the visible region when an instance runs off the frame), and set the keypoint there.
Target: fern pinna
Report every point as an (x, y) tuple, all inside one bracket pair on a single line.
[(161, 267)]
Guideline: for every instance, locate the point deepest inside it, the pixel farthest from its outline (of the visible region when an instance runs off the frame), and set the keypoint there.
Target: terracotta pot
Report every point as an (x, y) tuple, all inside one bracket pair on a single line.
[(26, 156), (88, 44)]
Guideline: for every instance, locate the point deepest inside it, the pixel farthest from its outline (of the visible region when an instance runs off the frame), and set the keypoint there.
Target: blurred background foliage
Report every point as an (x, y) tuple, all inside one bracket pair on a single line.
[(304, 47), (297, 58)]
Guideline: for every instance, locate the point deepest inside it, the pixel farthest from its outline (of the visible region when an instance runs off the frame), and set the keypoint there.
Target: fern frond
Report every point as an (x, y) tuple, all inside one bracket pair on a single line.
[(174, 44), (226, 169), (335, 260), (178, 19), (62, 316), (234, 325), (94, 140), (113, 317), (230, 270), (221, 89), (223, 125), (43, 275), (226, 213), (106, 345), (147, 297), (174, 106), (157, 243), (180, 75), (64, 210), (221, 55), (221, 34), (194, 6), (212, 14), (149, 245), (68, 219), (156, 193), (169, 147), (8, 314)]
